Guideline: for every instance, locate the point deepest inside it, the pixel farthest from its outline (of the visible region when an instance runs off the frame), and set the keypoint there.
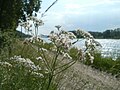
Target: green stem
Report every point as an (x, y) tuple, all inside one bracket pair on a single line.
[(47, 63), (53, 69), (55, 59), (50, 80)]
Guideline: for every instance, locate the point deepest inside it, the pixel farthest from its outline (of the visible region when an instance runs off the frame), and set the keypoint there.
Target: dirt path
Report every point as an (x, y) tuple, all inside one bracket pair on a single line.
[(82, 77)]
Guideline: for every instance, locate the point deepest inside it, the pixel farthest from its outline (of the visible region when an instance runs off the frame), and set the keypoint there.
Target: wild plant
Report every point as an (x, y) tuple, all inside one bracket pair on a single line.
[(57, 59)]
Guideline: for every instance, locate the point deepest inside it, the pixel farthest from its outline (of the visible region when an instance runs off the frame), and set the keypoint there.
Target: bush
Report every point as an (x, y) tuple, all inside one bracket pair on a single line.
[(73, 52), (106, 64)]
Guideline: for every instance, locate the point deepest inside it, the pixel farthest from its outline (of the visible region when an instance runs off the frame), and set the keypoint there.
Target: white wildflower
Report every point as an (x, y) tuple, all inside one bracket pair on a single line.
[(62, 38), (38, 74), (33, 39), (39, 58), (5, 64), (84, 34), (71, 35), (91, 58), (43, 49), (25, 62), (38, 68)]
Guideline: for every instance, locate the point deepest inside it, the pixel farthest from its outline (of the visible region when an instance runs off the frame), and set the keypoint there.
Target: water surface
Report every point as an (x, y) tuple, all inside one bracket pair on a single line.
[(110, 47)]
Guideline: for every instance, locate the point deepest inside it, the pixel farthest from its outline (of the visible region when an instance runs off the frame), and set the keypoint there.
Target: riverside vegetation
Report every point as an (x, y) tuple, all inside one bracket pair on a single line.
[(33, 64)]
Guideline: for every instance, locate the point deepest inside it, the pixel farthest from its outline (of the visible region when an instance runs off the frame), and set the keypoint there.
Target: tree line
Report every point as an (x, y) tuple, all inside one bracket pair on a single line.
[(107, 34)]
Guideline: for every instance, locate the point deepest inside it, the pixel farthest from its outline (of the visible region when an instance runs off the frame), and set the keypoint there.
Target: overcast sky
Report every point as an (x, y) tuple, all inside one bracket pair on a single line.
[(89, 15)]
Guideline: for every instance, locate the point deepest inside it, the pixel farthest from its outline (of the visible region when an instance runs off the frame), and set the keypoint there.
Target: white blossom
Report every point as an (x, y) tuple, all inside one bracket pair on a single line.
[(43, 49), (5, 64), (25, 62), (33, 39), (38, 74), (90, 44), (32, 22), (62, 38), (39, 58), (90, 56), (85, 34)]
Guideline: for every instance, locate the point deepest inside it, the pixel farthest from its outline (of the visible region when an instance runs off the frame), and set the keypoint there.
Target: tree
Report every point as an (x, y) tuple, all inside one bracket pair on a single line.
[(11, 12)]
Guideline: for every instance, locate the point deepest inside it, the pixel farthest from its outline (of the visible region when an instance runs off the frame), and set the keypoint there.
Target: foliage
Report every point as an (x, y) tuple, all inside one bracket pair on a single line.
[(16, 10), (106, 64), (13, 11), (6, 39), (108, 34), (16, 75), (21, 35), (73, 52), (112, 34)]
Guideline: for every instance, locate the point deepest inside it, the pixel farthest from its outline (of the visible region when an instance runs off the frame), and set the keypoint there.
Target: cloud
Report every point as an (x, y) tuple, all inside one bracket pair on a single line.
[(85, 14)]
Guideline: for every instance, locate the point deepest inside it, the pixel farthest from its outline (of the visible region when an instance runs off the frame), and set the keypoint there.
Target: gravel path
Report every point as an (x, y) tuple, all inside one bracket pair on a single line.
[(82, 77)]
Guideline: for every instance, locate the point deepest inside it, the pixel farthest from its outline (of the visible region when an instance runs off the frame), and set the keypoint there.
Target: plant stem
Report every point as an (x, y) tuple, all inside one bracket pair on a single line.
[(50, 80)]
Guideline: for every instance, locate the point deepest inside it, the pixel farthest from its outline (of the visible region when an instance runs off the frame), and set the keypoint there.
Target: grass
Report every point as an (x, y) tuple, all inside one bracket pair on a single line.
[(107, 64)]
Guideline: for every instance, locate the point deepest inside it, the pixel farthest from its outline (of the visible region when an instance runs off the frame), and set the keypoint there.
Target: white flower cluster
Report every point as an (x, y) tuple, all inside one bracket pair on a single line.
[(90, 56), (39, 58), (85, 34), (5, 64), (30, 23), (27, 26), (25, 62), (43, 49), (90, 44), (62, 38), (37, 74), (33, 39), (36, 21)]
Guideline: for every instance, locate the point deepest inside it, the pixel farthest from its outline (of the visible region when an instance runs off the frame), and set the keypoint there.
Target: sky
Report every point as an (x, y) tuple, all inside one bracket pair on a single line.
[(89, 15)]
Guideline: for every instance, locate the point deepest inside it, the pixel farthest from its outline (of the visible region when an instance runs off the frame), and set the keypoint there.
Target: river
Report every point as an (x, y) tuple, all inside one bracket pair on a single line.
[(110, 47)]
